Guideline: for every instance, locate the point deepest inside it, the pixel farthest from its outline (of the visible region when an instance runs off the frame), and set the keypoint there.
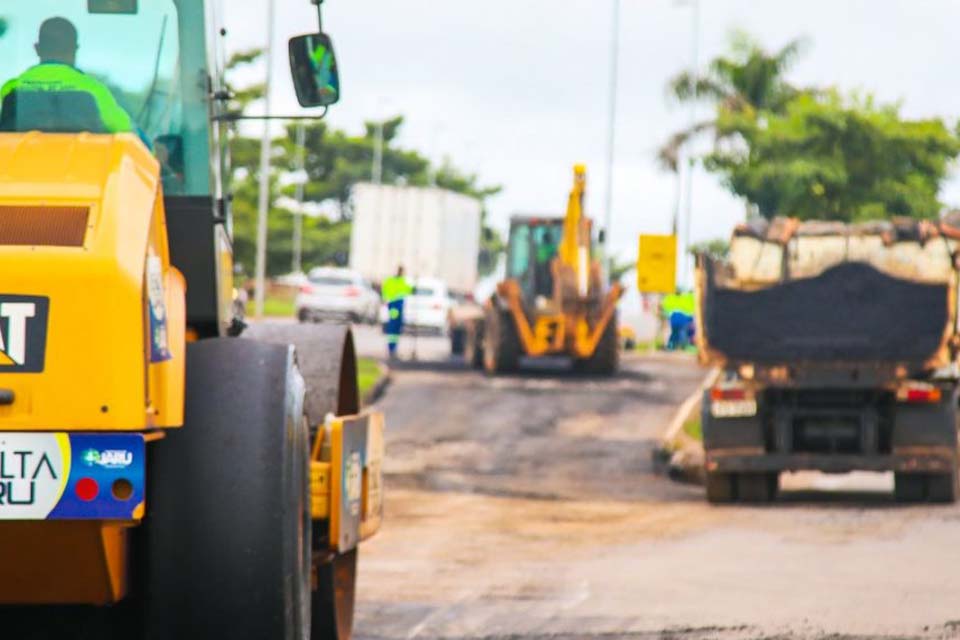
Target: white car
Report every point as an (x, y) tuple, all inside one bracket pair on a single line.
[(332, 292), (428, 307)]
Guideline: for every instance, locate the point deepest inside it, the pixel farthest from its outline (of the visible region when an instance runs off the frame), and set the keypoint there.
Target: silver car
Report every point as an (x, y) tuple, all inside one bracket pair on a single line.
[(335, 293)]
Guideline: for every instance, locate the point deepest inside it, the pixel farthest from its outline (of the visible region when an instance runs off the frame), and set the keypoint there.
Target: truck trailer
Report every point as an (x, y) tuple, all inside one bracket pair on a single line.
[(432, 232), (837, 348)]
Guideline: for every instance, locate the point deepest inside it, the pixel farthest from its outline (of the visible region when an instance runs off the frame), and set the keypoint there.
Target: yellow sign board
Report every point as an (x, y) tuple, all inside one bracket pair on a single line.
[(657, 264)]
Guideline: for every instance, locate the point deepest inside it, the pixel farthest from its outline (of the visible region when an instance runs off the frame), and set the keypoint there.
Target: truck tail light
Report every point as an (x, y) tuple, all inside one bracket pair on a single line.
[(729, 393), (919, 393)]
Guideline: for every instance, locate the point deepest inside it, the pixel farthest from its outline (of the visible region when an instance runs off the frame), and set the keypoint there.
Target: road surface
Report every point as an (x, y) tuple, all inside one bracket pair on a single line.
[(527, 507)]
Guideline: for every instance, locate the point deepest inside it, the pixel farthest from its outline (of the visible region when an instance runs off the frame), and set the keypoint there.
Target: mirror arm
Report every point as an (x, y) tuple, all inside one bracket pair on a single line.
[(234, 117), (319, 4)]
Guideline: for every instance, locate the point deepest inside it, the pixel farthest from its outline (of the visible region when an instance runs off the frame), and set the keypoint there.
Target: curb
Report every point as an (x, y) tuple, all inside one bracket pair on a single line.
[(680, 417), (378, 389), (679, 456)]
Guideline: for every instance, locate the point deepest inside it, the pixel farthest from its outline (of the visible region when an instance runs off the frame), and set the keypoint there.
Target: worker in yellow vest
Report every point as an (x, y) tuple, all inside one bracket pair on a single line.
[(394, 291)]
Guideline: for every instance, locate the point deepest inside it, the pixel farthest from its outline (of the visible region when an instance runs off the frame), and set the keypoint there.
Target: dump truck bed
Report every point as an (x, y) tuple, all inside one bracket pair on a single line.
[(831, 294), (850, 313)]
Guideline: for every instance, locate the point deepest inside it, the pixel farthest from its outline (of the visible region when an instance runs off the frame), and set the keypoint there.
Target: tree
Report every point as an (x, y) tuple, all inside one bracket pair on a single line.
[(747, 80), (718, 248), (334, 161), (826, 157)]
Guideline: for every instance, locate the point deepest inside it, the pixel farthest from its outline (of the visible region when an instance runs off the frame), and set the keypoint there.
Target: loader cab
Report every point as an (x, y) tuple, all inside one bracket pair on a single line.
[(534, 243), (162, 63)]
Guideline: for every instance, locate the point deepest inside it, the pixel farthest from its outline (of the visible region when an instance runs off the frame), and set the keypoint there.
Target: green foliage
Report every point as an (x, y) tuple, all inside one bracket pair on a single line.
[(812, 153), (825, 157), (717, 248), (747, 80), (368, 375)]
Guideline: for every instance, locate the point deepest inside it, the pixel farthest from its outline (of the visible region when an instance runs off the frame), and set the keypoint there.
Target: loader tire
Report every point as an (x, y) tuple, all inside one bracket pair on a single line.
[(227, 543), (606, 358), (720, 487), (473, 347), (328, 362), (458, 340), (501, 344)]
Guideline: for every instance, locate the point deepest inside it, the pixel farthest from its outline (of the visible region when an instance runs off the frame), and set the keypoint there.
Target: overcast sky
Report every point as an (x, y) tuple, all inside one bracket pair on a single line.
[(516, 90)]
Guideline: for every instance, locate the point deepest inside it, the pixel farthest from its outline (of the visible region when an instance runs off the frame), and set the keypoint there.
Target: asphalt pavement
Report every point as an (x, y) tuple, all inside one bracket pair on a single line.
[(527, 506)]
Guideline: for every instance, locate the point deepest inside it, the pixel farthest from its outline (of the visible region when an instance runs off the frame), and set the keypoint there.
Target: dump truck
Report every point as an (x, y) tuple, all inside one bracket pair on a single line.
[(836, 346), (554, 300), (161, 475)]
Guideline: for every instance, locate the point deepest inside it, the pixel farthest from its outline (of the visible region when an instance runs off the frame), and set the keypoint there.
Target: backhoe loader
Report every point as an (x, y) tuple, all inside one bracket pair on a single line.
[(161, 476), (554, 301)]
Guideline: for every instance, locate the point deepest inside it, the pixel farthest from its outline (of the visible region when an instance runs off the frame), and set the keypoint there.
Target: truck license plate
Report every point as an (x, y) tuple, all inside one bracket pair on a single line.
[(60, 476), (733, 408)]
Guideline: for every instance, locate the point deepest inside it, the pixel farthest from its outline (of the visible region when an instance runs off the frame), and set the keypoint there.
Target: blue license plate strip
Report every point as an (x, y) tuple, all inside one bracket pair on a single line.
[(75, 476)]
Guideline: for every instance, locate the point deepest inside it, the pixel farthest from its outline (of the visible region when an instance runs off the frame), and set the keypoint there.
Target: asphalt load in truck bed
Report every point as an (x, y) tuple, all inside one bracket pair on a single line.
[(849, 313)]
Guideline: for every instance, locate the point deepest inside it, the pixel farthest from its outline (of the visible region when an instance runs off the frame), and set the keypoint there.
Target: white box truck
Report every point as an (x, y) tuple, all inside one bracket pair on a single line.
[(432, 232)]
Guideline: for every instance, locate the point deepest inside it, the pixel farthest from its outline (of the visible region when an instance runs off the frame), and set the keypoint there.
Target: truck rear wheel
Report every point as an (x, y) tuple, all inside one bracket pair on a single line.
[(909, 487), (942, 487), (501, 350), (757, 487), (226, 548), (720, 487)]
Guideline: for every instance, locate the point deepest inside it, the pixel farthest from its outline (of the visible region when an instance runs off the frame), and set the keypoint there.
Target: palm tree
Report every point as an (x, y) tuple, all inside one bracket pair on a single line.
[(749, 78)]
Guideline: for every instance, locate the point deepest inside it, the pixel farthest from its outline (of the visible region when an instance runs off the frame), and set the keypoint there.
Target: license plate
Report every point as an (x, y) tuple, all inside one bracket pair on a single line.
[(60, 476), (733, 408)]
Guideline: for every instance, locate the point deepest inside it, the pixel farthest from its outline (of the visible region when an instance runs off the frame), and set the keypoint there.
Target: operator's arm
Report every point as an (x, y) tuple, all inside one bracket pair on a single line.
[(115, 118), (8, 87)]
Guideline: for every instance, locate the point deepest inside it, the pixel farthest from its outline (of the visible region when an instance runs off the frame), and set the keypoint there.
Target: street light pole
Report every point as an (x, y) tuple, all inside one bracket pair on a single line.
[(264, 200), (691, 162), (298, 214), (612, 123)]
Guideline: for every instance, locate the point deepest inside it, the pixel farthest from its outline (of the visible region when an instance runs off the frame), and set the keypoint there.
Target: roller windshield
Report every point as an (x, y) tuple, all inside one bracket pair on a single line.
[(107, 66)]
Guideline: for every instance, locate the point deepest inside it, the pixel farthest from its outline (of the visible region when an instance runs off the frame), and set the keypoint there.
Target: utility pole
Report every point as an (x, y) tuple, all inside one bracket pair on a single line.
[(297, 265), (612, 125), (264, 202)]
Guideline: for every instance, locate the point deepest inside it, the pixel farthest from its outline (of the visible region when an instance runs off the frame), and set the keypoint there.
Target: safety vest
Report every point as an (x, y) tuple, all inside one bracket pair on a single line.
[(395, 288), (55, 76)]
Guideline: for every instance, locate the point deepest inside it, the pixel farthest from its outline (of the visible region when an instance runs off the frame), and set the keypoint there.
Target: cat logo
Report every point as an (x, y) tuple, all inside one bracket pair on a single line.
[(23, 333)]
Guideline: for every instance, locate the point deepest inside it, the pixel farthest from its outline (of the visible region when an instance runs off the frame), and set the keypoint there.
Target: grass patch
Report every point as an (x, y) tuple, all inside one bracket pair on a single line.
[(693, 427), (273, 308), (368, 374)]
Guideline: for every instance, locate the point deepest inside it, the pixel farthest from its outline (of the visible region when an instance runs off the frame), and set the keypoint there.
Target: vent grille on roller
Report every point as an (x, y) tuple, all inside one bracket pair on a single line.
[(43, 226)]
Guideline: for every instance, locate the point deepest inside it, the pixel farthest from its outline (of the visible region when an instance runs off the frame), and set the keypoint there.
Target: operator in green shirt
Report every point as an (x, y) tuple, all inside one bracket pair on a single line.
[(57, 47), (323, 70)]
